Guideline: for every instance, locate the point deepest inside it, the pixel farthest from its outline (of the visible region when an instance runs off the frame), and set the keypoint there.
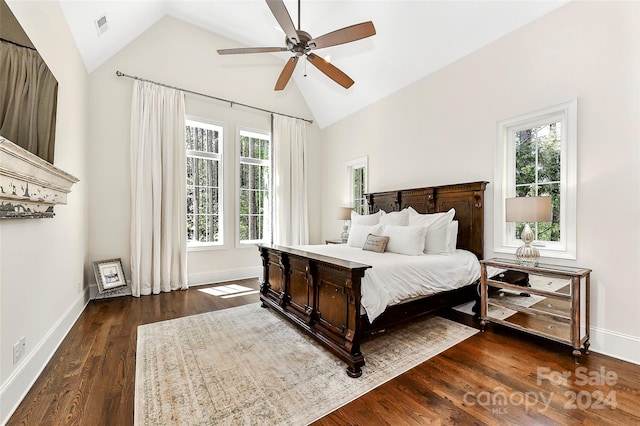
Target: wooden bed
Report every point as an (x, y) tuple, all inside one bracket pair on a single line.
[(321, 295)]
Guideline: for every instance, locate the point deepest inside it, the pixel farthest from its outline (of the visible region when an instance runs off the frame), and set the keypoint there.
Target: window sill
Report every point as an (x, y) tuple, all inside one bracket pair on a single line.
[(544, 252), (205, 247)]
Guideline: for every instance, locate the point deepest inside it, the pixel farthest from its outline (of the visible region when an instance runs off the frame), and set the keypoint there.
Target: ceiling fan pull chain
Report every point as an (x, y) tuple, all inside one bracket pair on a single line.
[(305, 68)]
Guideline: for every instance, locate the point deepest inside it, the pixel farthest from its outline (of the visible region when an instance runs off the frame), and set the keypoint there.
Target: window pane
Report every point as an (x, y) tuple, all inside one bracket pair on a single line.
[(203, 139), (538, 173), (254, 176), (203, 182), (549, 153), (359, 180), (525, 157)]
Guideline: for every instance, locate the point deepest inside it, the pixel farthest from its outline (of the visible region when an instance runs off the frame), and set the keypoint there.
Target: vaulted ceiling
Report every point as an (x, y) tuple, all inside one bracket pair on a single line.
[(414, 38)]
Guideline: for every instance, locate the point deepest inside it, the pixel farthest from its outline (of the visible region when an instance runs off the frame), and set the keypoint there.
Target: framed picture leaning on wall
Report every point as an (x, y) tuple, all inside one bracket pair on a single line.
[(109, 274)]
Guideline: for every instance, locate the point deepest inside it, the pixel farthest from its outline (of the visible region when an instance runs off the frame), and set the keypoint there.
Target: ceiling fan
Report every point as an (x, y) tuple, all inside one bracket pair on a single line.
[(301, 43)]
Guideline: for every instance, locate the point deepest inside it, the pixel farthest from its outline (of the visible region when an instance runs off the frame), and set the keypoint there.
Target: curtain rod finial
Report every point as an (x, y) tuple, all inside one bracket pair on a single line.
[(119, 74)]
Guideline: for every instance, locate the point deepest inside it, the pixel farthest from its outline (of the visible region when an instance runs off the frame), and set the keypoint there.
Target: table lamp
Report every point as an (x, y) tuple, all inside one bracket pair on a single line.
[(528, 209), (344, 213)]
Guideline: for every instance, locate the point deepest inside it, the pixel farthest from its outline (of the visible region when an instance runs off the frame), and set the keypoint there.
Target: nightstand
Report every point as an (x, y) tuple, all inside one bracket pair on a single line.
[(557, 307), (338, 241)]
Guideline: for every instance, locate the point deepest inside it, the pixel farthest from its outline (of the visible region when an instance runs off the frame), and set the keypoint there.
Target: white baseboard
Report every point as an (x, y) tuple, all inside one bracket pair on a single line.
[(616, 345), (224, 276), (94, 294), (13, 391), (193, 279)]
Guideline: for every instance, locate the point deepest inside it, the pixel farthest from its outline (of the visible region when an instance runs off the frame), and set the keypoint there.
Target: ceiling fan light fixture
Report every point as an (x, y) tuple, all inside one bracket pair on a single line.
[(300, 43)]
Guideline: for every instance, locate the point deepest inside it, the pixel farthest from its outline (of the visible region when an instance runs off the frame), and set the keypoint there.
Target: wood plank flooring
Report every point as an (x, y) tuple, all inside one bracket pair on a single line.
[(496, 377)]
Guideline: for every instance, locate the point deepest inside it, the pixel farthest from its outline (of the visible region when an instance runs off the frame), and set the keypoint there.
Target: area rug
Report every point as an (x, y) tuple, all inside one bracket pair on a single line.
[(246, 365)]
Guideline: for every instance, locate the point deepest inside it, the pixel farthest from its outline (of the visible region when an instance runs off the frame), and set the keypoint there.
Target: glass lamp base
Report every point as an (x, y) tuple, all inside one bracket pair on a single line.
[(345, 233), (528, 255)]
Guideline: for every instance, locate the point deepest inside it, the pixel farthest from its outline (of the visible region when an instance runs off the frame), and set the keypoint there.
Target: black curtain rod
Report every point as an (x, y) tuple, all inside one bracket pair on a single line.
[(231, 103), (17, 44)]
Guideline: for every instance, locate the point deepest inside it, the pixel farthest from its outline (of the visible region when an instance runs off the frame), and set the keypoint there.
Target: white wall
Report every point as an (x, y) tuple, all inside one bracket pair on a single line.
[(442, 130), (181, 55), (41, 266)]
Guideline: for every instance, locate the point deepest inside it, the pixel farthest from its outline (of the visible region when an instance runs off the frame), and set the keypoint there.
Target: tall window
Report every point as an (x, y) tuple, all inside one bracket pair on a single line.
[(356, 184), (537, 157), (204, 183), (255, 187)]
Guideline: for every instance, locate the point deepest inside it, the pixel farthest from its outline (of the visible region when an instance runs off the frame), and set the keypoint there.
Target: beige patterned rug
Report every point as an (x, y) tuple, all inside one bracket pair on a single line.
[(246, 365)]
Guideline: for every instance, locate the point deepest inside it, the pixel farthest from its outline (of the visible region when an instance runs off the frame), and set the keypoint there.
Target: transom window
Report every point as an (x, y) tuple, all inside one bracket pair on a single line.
[(254, 187), (536, 156), (204, 183)]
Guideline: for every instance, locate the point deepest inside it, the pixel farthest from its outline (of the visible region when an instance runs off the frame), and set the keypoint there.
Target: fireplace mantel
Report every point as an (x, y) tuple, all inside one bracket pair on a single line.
[(29, 186)]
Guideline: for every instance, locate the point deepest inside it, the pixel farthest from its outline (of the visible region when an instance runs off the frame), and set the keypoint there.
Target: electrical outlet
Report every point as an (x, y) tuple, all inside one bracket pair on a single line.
[(19, 350), (79, 287), (16, 352)]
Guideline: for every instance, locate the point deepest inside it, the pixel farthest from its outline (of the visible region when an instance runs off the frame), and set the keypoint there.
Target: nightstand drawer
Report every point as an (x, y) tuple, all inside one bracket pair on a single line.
[(553, 327), (550, 305)]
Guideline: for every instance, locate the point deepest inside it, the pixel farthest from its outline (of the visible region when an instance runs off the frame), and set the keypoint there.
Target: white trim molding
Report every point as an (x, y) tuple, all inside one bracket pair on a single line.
[(505, 240), (215, 277), (29, 186), (614, 344), (13, 391)]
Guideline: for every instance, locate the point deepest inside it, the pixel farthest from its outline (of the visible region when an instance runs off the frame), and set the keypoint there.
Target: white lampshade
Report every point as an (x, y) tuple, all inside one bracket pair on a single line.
[(344, 213), (528, 209)]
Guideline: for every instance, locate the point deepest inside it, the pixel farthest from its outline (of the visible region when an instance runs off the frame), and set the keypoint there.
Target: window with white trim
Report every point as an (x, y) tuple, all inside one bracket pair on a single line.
[(356, 184), (536, 156), (254, 187), (204, 183)]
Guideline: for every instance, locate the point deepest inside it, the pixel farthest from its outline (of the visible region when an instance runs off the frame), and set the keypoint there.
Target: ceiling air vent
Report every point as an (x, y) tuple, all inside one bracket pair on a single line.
[(101, 25)]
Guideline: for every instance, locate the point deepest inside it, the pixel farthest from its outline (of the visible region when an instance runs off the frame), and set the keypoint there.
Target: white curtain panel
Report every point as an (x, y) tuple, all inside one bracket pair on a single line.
[(158, 190), (291, 223)]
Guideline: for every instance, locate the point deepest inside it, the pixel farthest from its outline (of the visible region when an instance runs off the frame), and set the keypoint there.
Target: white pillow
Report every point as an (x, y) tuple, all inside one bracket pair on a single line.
[(416, 218), (358, 234), (407, 240), (366, 219), (436, 238), (452, 236), (395, 218)]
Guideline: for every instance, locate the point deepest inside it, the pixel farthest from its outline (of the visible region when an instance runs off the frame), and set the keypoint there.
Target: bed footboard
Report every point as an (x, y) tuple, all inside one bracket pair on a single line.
[(320, 295)]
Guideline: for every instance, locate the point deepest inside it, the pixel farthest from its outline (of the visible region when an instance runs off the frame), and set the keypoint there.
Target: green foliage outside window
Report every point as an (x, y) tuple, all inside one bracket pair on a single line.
[(359, 179), (538, 173), (203, 184), (255, 170)]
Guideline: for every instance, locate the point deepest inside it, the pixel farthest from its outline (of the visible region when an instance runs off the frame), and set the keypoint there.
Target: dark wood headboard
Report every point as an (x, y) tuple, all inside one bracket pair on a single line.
[(466, 198)]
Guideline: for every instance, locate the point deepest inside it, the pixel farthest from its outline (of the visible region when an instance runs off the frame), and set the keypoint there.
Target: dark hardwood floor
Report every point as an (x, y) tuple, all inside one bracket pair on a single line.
[(496, 377)]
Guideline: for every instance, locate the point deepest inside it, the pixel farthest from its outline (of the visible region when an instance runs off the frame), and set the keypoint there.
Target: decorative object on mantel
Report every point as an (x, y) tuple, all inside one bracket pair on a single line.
[(528, 209), (109, 275), (344, 213), (29, 185)]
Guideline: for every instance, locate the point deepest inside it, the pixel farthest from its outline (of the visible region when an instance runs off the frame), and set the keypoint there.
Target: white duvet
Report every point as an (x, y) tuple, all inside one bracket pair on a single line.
[(394, 278)]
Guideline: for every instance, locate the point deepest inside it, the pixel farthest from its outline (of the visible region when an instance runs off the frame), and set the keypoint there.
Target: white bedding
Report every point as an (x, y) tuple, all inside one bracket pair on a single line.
[(394, 278)]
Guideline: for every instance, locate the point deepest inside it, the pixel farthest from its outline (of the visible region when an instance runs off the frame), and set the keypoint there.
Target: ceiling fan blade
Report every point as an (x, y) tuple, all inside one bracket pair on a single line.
[(344, 35), (330, 71), (251, 50), (285, 75), (279, 10)]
